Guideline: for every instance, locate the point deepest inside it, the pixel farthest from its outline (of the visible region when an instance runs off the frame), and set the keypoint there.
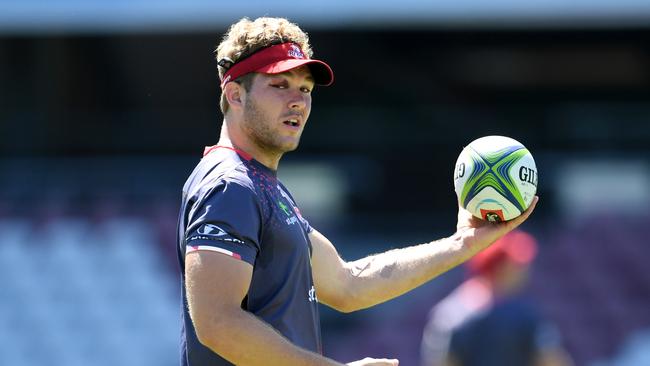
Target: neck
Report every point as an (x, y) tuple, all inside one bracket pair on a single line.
[(502, 286), (232, 137)]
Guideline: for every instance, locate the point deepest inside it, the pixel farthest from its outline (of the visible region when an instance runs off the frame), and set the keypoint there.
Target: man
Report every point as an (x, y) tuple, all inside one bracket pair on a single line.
[(253, 269), (487, 320)]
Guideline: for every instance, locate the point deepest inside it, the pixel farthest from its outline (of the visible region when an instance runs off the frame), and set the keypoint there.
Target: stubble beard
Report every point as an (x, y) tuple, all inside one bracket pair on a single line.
[(256, 123)]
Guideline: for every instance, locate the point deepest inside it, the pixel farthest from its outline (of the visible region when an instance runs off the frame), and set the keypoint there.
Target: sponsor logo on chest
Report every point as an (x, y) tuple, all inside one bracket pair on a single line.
[(290, 218), (289, 210)]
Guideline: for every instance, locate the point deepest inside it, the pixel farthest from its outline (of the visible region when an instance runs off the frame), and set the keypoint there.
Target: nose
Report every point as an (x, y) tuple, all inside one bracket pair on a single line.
[(299, 101)]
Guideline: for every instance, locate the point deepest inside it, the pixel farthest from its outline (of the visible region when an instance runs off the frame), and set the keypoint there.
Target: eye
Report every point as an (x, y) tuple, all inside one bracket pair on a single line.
[(305, 90), (279, 83)]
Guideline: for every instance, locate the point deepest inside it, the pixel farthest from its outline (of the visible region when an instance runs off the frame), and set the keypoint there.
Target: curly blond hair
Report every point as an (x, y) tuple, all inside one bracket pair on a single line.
[(248, 36)]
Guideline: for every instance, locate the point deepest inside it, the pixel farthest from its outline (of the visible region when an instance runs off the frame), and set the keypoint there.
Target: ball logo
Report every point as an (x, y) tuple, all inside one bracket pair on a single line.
[(528, 175), (460, 171), (295, 52), (492, 216)]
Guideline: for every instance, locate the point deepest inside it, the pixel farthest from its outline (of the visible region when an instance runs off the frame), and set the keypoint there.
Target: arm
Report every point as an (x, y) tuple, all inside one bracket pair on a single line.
[(237, 335), (225, 328), (381, 277)]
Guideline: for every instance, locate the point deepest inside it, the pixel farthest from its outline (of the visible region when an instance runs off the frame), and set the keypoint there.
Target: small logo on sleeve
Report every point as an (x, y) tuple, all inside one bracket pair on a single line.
[(211, 230)]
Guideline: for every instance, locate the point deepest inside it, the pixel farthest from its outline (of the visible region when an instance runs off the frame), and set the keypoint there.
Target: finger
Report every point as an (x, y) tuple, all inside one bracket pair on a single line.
[(385, 361), (521, 218)]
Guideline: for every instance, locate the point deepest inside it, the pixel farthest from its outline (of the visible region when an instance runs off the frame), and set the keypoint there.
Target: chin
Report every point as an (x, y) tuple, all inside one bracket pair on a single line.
[(289, 146)]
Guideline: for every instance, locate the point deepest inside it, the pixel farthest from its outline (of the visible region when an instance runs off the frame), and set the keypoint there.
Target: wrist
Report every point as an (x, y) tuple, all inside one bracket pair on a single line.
[(465, 242), (457, 240)]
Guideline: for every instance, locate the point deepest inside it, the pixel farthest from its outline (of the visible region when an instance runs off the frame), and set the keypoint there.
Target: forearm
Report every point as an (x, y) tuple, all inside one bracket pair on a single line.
[(244, 339), (378, 278)]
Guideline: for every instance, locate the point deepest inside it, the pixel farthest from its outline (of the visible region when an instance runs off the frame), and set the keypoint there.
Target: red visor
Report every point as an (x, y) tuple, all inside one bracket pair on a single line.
[(517, 247), (277, 59)]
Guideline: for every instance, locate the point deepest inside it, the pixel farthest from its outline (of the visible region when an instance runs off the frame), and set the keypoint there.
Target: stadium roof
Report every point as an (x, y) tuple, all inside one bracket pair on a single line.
[(110, 16)]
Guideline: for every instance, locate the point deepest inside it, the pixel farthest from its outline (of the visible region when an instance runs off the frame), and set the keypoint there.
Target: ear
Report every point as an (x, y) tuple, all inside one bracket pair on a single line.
[(233, 93)]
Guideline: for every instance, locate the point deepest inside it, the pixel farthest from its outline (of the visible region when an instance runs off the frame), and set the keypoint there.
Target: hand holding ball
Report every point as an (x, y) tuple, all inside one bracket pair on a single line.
[(495, 178)]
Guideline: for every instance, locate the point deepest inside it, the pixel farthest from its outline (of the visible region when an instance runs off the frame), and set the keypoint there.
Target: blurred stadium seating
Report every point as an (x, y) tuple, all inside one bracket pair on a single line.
[(77, 292)]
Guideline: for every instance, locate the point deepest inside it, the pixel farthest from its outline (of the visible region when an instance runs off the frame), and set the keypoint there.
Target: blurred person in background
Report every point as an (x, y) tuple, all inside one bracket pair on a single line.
[(252, 268), (487, 320)]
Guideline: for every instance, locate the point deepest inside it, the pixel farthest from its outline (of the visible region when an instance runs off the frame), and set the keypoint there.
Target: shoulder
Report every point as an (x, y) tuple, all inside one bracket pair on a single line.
[(217, 169), (471, 299)]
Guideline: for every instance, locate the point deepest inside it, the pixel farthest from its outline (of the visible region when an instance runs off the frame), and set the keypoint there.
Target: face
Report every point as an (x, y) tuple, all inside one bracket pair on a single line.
[(276, 109)]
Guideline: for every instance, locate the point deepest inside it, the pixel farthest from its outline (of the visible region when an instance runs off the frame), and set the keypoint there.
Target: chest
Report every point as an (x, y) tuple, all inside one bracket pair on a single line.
[(284, 238)]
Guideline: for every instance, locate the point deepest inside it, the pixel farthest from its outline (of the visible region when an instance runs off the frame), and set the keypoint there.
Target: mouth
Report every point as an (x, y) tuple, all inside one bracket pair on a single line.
[(292, 122)]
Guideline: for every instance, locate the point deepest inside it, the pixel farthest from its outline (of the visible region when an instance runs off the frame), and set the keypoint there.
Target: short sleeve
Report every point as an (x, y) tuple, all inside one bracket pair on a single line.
[(303, 222), (228, 220)]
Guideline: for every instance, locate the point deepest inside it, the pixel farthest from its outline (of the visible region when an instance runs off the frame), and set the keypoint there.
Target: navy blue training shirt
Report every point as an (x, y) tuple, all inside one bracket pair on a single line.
[(508, 334), (235, 206)]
